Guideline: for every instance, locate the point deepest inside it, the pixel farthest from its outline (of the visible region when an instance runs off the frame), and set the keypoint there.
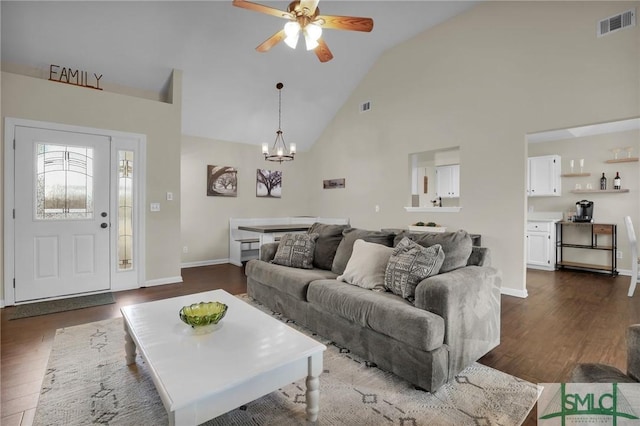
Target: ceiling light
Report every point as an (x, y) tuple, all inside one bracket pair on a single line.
[(292, 31), (312, 33), (279, 151)]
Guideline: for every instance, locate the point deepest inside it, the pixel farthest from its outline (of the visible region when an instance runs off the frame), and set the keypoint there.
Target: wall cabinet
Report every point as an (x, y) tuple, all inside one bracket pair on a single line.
[(540, 245), (543, 179), (448, 181)]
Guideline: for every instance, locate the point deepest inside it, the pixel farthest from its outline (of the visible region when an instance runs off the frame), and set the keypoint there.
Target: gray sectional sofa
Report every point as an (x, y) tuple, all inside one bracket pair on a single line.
[(451, 321)]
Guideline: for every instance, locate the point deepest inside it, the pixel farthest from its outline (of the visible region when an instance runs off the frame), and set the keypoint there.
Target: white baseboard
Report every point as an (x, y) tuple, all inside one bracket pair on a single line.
[(1, 303), (204, 263), (162, 281), (513, 292)]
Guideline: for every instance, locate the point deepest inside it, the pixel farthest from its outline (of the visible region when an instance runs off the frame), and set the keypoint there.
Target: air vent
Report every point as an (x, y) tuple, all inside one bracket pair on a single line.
[(365, 106), (617, 22)]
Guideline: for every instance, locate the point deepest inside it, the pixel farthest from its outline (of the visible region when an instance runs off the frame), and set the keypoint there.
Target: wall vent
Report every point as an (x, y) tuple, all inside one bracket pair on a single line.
[(617, 22), (365, 106)]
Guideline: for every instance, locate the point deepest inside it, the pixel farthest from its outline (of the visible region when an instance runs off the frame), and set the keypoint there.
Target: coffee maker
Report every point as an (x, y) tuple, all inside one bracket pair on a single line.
[(584, 211)]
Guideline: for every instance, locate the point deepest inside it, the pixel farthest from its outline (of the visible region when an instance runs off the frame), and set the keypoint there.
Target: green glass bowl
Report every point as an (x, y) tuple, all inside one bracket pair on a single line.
[(203, 313)]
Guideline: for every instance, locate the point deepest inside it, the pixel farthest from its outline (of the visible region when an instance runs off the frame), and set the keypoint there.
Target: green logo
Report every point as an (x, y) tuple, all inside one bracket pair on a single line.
[(611, 403)]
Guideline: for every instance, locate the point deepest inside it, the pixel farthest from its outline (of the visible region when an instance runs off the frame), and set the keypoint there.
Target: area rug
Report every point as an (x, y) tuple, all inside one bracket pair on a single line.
[(88, 382), (61, 305)]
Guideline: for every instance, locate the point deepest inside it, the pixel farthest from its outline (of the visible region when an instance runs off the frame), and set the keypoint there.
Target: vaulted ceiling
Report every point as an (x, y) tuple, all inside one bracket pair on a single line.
[(229, 89)]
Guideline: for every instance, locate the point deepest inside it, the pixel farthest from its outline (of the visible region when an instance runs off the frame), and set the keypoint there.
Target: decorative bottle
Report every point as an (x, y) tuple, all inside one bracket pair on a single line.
[(603, 182), (617, 182)]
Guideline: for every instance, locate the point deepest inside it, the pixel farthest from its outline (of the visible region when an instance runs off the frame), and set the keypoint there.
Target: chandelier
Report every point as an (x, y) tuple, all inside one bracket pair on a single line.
[(279, 151)]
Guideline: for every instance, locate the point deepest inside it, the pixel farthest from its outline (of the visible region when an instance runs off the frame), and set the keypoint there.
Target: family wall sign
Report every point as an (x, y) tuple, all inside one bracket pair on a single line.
[(76, 77)]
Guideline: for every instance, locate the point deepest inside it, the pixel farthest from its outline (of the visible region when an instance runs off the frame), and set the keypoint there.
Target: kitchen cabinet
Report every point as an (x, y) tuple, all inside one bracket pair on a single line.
[(540, 245), (543, 179), (448, 181)]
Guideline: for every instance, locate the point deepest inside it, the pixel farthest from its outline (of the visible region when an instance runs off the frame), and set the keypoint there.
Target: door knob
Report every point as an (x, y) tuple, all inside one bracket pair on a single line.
[(103, 225), (103, 214)]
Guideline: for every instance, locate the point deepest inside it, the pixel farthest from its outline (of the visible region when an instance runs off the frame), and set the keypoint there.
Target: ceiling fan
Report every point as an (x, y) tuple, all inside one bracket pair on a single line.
[(304, 17)]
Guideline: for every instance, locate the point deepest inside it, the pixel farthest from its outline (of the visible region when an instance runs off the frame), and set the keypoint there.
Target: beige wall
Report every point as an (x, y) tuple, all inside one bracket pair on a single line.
[(37, 99), (480, 81), (205, 219), (608, 208)]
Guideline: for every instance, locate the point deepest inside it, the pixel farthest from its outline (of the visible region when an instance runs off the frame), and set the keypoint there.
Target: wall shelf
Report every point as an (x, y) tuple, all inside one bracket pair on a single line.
[(598, 191), (623, 160), (433, 209), (576, 174)]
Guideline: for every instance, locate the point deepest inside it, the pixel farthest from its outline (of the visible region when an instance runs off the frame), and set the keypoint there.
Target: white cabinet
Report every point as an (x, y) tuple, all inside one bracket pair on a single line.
[(448, 181), (543, 179), (540, 245)]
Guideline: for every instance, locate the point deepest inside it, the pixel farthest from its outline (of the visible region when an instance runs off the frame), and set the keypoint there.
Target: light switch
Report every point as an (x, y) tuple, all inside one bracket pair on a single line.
[(155, 207)]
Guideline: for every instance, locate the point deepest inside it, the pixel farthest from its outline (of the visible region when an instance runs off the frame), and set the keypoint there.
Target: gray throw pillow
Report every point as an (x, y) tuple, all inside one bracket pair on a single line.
[(457, 246), (296, 250), (329, 237), (409, 264), (345, 248)]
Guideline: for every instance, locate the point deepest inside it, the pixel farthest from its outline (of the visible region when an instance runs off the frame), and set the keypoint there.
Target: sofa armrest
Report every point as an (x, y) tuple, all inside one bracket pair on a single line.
[(468, 299), (480, 256), (633, 352), (268, 251)]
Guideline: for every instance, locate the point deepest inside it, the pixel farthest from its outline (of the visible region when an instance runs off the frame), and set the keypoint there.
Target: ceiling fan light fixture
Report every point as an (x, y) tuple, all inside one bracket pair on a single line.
[(313, 31), (292, 41), (310, 43), (292, 31)]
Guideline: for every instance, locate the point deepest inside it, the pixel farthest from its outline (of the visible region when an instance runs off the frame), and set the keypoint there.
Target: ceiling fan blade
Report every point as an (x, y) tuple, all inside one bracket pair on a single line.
[(322, 51), (350, 23), (311, 5), (263, 9), (271, 41)]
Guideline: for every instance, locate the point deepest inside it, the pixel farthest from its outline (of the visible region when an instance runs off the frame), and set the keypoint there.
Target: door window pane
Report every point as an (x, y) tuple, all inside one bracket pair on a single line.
[(64, 182), (125, 210)]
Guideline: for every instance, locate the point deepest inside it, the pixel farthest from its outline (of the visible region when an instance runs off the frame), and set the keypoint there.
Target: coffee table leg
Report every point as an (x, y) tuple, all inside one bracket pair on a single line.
[(313, 387), (129, 346)]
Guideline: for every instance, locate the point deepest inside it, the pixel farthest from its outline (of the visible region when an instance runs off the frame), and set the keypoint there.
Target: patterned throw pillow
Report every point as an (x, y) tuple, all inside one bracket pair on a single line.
[(296, 250), (409, 264)]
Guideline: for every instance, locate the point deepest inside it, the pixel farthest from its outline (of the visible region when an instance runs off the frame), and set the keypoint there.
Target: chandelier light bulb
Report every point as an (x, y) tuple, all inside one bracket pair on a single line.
[(265, 148), (292, 148)]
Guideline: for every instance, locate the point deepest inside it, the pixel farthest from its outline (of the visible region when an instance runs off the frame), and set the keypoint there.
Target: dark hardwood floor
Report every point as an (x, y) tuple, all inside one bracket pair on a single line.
[(569, 317)]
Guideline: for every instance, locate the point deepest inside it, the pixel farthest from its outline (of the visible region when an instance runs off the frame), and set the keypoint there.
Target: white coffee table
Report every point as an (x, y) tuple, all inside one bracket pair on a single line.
[(201, 376)]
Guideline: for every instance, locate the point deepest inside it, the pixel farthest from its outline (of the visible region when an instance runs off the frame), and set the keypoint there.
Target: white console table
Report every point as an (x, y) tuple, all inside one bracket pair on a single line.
[(246, 235)]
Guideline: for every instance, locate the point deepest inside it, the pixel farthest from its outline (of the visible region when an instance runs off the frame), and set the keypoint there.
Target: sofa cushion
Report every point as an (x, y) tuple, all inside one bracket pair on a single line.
[(456, 246), (409, 264), (343, 253), (367, 265), (329, 237), (383, 312), (292, 281), (296, 250)]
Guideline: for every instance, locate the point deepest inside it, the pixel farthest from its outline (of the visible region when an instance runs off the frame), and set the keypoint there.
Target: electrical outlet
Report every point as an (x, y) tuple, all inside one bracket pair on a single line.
[(169, 196), (619, 254), (185, 249), (377, 208)]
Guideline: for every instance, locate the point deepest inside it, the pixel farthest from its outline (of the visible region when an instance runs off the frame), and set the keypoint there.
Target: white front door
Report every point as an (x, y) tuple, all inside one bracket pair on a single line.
[(62, 215)]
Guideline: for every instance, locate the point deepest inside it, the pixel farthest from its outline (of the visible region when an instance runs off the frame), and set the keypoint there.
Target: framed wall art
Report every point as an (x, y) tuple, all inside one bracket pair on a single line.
[(269, 183), (222, 181)]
